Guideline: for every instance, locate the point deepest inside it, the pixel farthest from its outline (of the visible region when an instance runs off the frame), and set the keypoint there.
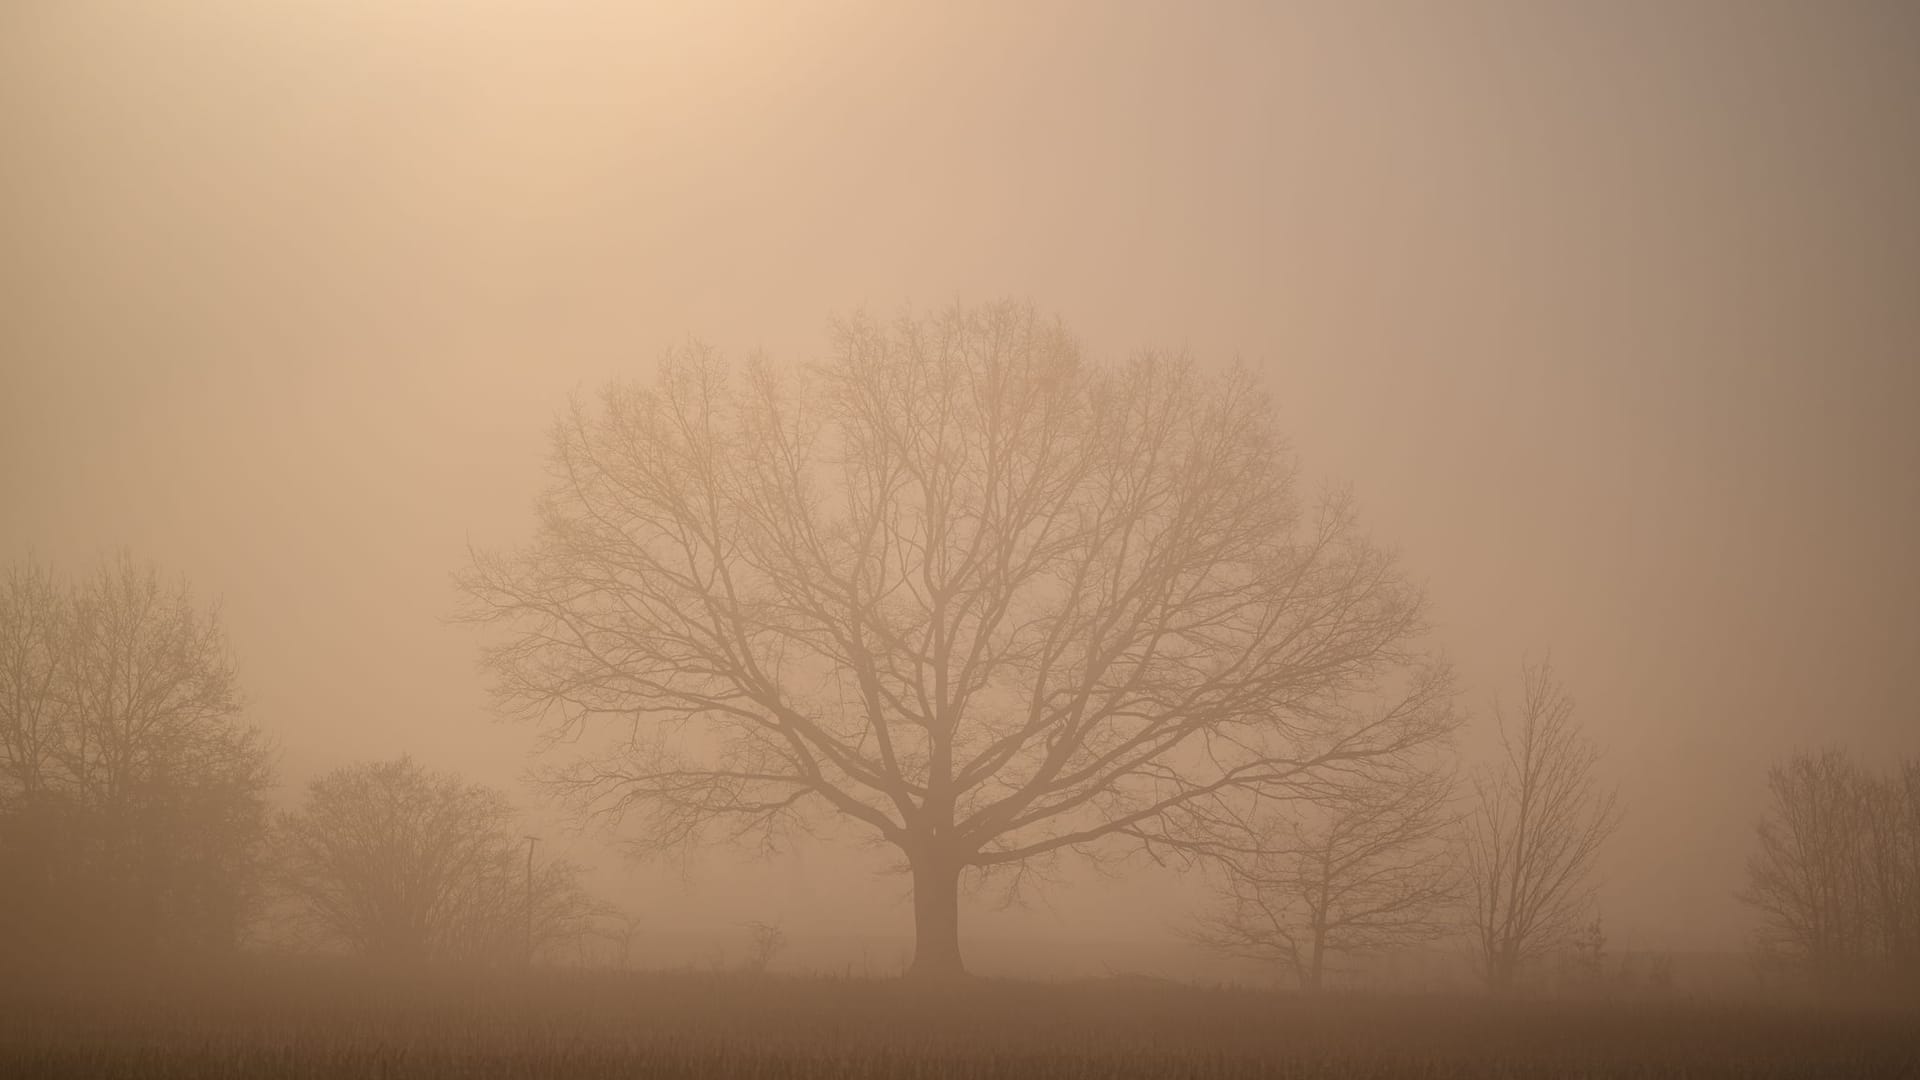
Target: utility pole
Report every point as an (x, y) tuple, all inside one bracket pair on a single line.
[(531, 840)]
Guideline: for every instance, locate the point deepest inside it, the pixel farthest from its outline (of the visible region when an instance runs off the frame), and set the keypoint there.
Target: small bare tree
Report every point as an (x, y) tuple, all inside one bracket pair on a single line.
[(953, 586), (1366, 871), (1584, 962), (1836, 878), (394, 861), (621, 927), (1538, 821), (764, 942)]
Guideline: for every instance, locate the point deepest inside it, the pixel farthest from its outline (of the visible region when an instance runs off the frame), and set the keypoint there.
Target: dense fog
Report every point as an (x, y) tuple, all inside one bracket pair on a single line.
[(1603, 315)]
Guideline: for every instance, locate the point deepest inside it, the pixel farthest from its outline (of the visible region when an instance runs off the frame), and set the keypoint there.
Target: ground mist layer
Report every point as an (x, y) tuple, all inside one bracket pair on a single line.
[(305, 1019)]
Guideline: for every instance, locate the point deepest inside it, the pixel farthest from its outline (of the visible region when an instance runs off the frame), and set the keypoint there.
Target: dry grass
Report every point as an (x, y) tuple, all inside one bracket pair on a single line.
[(317, 1020)]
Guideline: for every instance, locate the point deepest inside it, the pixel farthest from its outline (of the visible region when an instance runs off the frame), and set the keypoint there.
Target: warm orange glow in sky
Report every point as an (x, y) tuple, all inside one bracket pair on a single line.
[(1606, 312)]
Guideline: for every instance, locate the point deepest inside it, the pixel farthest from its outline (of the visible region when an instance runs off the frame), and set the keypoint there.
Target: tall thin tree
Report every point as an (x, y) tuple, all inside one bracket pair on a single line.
[(1538, 822)]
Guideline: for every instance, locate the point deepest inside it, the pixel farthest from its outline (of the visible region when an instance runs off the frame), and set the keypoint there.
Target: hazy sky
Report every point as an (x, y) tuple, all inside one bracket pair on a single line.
[(1609, 312)]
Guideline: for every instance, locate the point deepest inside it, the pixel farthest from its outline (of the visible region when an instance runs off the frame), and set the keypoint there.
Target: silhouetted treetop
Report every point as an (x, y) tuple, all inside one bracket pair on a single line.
[(132, 794), (395, 861)]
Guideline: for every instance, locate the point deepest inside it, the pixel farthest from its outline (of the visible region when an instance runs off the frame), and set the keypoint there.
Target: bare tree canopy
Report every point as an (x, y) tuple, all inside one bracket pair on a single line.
[(131, 794), (953, 585), (391, 860), (1365, 871), (1836, 878), (1538, 822)]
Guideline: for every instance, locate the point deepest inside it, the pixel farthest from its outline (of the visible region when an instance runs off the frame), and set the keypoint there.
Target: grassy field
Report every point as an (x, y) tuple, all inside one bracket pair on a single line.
[(315, 1020)]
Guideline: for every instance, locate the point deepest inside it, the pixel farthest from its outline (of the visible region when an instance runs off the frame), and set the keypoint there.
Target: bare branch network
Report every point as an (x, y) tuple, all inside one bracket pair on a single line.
[(1835, 879), (956, 585), (132, 791), (1370, 870), (1539, 820)]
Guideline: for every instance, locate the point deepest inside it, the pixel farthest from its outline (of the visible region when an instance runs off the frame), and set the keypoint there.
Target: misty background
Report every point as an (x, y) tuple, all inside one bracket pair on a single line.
[(1608, 315)]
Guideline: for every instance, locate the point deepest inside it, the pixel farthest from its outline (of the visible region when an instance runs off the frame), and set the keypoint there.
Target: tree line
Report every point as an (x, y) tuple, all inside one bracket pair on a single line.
[(132, 793), (1835, 876), (952, 586), (134, 805)]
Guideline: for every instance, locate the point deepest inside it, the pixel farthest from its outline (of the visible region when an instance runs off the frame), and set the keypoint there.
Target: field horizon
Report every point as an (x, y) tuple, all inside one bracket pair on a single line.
[(266, 1017)]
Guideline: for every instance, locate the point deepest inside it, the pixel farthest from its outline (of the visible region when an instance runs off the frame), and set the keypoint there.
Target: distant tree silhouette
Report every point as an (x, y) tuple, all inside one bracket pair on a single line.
[(765, 941), (131, 793), (1584, 963), (620, 927), (984, 601), (393, 861), (1836, 877), (1368, 869), (1537, 822)]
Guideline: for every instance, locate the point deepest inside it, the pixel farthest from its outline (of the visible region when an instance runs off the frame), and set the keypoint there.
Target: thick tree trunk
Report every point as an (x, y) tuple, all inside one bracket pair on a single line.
[(936, 919)]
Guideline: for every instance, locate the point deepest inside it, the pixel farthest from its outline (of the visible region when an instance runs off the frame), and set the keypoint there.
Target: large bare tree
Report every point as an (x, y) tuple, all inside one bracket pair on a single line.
[(1362, 871), (1538, 821), (395, 861), (953, 585), (131, 791)]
